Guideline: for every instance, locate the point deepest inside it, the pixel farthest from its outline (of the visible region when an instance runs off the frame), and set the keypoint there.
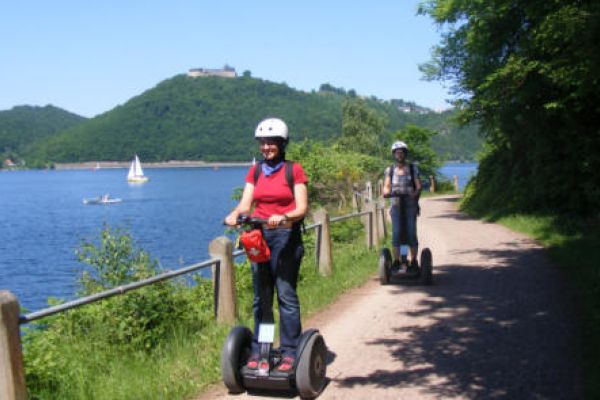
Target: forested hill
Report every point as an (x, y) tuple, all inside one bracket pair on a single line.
[(208, 118), (22, 125)]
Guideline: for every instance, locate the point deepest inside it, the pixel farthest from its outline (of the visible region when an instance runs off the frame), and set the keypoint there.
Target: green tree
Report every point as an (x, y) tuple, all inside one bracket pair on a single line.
[(332, 171), (362, 128), (419, 148), (527, 74)]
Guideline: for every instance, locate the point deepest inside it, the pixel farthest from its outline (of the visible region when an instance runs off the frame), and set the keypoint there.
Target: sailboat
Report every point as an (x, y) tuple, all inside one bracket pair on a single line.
[(136, 174)]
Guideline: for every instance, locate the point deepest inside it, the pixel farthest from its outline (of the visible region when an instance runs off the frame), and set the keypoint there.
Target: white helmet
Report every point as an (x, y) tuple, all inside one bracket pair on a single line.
[(271, 127), (399, 145)]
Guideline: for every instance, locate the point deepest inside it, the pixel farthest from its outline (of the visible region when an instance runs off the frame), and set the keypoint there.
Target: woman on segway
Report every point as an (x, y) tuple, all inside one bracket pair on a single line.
[(402, 183), (279, 195)]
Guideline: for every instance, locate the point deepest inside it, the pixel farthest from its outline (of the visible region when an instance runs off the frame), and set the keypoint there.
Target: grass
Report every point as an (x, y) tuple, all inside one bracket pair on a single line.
[(574, 245), (188, 362)]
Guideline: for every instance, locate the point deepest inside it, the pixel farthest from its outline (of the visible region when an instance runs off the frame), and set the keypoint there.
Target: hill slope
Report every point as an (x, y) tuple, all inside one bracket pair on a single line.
[(208, 119), (22, 125)]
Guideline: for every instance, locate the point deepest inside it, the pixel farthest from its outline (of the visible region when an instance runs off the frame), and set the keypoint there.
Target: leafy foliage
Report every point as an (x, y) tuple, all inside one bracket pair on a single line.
[(362, 128), (527, 74), (137, 321), (420, 150), (333, 172)]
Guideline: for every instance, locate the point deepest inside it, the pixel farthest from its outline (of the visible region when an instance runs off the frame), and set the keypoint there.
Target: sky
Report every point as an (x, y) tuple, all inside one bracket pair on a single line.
[(88, 57)]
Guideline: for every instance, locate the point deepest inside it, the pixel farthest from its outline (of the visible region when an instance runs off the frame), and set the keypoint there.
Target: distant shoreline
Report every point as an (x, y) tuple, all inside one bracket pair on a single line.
[(164, 164)]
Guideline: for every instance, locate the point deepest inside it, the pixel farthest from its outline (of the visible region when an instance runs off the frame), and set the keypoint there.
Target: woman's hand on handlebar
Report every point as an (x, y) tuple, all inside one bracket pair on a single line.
[(231, 219), (276, 220)]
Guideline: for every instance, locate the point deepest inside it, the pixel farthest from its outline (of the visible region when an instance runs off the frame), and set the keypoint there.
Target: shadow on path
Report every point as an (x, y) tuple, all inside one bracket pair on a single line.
[(505, 331)]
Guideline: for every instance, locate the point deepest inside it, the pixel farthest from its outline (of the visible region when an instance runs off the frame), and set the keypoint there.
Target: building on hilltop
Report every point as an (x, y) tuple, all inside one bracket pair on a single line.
[(225, 72)]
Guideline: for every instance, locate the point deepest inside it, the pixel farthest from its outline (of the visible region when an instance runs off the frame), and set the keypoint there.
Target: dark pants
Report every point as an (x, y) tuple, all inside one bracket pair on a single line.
[(280, 273), (404, 222)]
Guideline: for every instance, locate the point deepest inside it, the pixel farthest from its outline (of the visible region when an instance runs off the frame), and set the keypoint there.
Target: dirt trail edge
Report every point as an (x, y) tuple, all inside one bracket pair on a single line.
[(496, 323)]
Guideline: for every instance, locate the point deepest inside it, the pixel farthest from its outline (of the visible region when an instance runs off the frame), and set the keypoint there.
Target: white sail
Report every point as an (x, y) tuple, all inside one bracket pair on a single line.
[(138, 167), (131, 173), (136, 173)]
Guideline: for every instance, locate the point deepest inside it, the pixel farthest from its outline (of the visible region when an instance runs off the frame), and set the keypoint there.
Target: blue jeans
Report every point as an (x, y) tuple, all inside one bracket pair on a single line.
[(281, 273), (404, 222)]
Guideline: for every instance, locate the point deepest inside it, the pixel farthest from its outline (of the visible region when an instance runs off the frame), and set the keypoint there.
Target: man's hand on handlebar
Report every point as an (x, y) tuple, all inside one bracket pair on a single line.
[(392, 194)]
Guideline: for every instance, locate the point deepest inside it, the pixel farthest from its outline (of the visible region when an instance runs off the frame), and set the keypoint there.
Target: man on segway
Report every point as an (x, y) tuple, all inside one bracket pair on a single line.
[(403, 186)]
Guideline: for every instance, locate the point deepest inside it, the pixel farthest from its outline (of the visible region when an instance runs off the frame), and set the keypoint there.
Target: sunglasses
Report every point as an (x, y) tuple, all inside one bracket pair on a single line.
[(267, 142)]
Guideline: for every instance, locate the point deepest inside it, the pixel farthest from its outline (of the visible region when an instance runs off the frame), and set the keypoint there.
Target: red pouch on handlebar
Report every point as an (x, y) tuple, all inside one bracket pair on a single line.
[(255, 246)]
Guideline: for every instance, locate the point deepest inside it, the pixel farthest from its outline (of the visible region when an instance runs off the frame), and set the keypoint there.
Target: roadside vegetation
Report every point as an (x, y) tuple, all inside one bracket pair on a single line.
[(160, 341), (526, 74)]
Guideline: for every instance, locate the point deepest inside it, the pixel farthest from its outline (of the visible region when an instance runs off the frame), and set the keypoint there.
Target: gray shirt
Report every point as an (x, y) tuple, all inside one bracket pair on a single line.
[(402, 183)]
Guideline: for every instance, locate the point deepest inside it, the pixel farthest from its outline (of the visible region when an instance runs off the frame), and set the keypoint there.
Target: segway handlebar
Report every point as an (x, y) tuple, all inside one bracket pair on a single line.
[(390, 195), (244, 219)]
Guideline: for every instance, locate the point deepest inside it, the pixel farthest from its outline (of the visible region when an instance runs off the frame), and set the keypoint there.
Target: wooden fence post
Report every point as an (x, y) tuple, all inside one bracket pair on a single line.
[(368, 192), (12, 372), (387, 219), (376, 226), (323, 247), (221, 248), (369, 223), (455, 179), (380, 212), (355, 199), (431, 184)]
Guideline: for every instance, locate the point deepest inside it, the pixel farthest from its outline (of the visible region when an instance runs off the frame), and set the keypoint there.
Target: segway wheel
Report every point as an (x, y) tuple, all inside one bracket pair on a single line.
[(426, 276), (235, 350), (311, 368), (385, 265)]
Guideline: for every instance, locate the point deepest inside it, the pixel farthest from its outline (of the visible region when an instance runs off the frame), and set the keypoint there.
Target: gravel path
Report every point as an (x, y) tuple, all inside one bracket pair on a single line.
[(495, 324)]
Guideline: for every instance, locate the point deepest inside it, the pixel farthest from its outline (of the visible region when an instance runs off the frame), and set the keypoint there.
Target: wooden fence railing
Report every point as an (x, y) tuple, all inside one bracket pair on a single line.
[(12, 372)]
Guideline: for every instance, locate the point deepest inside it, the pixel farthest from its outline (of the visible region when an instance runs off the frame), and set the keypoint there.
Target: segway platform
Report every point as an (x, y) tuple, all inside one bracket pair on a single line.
[(307, 376), (423, 273)]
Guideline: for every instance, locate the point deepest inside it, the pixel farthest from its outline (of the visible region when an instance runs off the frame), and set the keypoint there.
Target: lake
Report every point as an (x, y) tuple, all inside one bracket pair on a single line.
[(173, 217), (464, 172)]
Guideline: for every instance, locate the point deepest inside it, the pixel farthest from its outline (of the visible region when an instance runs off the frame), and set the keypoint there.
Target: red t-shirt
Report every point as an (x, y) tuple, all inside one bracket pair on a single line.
[(272, 194)]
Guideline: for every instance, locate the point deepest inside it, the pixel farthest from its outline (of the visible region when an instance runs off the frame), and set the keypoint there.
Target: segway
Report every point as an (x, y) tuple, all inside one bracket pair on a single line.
[(423, 273), (307, 376)]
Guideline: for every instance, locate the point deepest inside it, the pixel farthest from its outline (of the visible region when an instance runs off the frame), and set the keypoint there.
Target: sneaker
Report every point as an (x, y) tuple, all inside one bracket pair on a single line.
[(286, 364), (252, 362), (396, 265)]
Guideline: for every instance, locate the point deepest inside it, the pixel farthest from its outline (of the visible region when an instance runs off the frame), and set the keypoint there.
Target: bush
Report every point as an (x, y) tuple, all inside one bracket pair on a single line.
[(136, 321)]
